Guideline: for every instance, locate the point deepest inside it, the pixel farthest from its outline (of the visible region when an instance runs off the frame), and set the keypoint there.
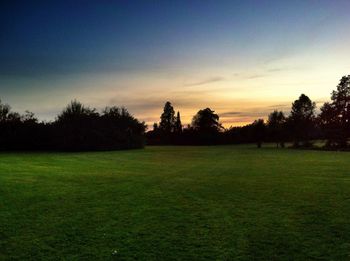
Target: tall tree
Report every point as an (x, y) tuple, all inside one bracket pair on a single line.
[(275, 126), (167, 119), (341, 108), (341, 100), (328, 120), (178, 124), (206, 121), (302, 120), (4, 112), (259, 129)]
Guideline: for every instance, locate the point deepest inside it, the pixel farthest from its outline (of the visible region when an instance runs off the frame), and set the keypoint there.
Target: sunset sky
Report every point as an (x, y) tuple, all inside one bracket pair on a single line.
[(241, 58)]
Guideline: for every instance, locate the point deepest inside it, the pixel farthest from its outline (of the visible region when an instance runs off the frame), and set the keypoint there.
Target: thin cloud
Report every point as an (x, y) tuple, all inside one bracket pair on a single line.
[(249, 76), (277, 69), (206, 81), (255, 76), (250, 114), (279, 105), (230, 113)]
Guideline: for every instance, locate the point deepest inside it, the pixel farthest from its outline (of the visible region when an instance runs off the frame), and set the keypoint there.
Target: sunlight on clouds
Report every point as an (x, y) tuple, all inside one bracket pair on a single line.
[(239, 93), (251, 95)]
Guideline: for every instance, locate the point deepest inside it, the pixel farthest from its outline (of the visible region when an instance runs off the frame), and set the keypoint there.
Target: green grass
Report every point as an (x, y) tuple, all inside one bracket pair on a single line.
[(176, 203)]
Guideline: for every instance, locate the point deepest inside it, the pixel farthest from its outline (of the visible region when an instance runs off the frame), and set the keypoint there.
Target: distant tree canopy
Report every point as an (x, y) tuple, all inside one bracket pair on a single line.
[(301, 120), (206, 129), (79, 127), (341, 103), (206, 121), (178, 124), (167, 119), (276, 127), (76, 128), (335, 115), (76, 112), (259, 130), (7, 116)]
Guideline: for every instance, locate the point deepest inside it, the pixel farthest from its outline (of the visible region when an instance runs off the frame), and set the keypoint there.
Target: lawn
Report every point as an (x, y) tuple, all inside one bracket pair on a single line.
[(176, 203)]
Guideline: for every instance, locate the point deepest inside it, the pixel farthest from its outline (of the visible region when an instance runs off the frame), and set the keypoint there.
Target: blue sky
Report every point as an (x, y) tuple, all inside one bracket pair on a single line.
[(241, 58)]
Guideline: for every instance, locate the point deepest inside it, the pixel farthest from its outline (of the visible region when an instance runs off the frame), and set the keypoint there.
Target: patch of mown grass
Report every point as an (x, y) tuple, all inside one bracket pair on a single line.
[(173, 203)]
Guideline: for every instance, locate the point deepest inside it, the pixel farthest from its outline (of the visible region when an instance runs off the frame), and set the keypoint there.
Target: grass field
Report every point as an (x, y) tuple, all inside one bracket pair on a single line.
[(176, 203)]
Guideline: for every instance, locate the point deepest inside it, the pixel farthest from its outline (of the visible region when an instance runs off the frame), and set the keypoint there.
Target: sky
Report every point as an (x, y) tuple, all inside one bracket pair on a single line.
[(242, 59)]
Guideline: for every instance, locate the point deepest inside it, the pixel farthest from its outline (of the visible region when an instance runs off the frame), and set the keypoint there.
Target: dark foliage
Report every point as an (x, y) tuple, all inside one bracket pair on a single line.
[(77, 128), (178, 124), (206, 121), (167, 122), (206, 128), (82, 128), (276, 128), (259, 131), (335, 116), (301, 121), (300, 127)]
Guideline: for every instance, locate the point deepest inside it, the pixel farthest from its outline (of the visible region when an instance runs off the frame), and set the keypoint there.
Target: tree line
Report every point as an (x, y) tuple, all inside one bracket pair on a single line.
[(79, 127), (76, 128), (300, 127)]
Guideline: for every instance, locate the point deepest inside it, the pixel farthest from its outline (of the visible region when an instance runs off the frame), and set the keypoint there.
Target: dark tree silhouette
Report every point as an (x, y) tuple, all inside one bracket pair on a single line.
[(341, 101), (167, 119), (301, 120), (329, 122), (18, 131), (79, 127), (29, 118), (206, 121), (275, 126), (336, 115), (76, 111), (155, 126), (120, 129), (178, 125), (4, 112), (206, 127), (76, 128), (6, 115), (258, 127), (300, 127)]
